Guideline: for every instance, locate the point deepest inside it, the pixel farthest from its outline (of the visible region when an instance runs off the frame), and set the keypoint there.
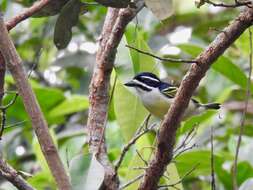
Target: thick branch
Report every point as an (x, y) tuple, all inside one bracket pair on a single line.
[(7, 172), (26, 14), (115, 3), (14, 64), (166, 137), (113, 30)]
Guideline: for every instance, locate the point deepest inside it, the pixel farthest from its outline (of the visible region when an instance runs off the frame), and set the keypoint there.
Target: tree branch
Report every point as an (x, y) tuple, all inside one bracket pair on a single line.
[(236, 4), (26, 14), (166, 138), (14, 64), (161, 58), (7, 172), (113, 30)]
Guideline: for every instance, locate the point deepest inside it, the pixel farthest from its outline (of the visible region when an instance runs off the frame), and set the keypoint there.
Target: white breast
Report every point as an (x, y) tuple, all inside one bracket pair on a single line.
[(158, 104), (155, 102)]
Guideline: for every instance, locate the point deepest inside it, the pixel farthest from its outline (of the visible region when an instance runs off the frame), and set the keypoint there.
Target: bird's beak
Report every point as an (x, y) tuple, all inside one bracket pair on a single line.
[(130, 84)]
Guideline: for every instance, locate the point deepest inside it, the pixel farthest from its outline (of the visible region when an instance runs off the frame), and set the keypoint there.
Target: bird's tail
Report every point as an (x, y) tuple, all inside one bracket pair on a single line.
[(213, 106)]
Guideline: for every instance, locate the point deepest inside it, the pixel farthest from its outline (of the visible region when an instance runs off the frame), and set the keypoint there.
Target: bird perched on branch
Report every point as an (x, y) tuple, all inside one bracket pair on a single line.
[(157, 96)]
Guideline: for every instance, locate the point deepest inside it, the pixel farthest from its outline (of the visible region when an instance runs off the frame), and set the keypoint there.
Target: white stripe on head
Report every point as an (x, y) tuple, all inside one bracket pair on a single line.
[(143, 84), (153, 79)]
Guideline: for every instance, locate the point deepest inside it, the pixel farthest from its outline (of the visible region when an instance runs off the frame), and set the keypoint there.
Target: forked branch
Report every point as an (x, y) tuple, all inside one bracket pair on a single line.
[(14, 64)]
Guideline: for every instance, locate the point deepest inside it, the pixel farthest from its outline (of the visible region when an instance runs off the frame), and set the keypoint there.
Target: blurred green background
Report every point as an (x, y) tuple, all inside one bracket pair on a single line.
[(60, 79)]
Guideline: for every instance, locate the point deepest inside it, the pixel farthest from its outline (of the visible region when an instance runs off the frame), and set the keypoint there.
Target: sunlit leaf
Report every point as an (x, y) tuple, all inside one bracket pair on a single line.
[(223, 65), (162, 9), (86, 172), (129, 111), (186, 161), (140, 61), (72, 104)]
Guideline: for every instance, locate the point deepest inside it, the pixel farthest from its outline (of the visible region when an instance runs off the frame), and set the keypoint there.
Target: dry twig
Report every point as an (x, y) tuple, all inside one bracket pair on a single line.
[(248, 95), (131, 143), (162, 58), (131, 181), (212, 162), (7, 172), (181, 180)]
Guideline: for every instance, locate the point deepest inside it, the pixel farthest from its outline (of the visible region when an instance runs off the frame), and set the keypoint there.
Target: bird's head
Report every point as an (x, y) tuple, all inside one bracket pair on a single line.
[(145, 81)]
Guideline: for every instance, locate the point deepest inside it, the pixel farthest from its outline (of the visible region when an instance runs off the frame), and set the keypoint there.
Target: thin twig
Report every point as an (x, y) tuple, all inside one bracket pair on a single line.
[(188, 138), (15, 124), (129, 144), (248, 94), (181, 180), (212, 162), (140, 156), (162, 58), (10, 103), (3, 109), (7, 172), (143, 125), (184, 150), (131, 181)]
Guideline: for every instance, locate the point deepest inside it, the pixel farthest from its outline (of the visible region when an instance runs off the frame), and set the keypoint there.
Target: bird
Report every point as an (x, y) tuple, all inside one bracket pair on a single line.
[(157, 96)]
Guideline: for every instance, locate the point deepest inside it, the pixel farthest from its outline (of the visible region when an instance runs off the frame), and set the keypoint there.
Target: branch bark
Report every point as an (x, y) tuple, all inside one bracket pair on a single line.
[(113, 30), (166, 138), (26, 14), (7, 172), (14, 64), (115, 3)]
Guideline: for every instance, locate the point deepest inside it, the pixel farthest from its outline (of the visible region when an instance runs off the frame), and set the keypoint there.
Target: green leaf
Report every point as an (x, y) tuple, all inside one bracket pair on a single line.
[(67, 19), (71, 105), (187, 160), (42, 180), (205, 116), (48, 97), (140, 61), (86, 172), (40, 156), (173, 175), (136, 161), (162, 9), (129, 111), (242, 43), (3, 5), (223, 65), (245, 171)]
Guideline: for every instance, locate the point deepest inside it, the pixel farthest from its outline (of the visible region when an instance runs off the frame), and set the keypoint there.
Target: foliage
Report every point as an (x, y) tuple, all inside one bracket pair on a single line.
[(60, 79)]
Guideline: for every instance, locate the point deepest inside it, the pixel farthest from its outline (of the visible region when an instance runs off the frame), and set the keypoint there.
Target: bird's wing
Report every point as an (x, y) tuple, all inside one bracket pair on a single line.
[(170, 91)]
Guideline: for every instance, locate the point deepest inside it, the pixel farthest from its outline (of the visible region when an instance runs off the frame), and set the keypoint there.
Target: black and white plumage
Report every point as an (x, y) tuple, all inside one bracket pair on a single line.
[(157, 96)]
